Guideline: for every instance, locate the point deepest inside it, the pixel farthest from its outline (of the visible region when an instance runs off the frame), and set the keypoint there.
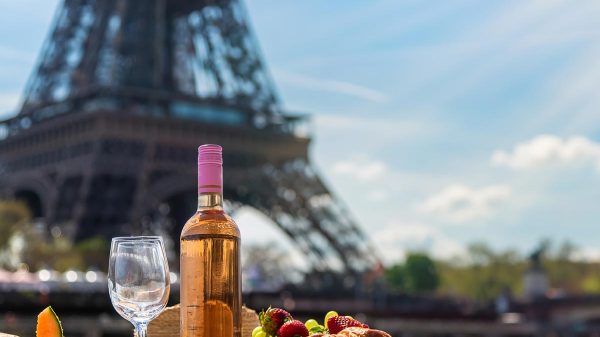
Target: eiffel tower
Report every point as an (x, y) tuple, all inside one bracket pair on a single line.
[(125, 91)]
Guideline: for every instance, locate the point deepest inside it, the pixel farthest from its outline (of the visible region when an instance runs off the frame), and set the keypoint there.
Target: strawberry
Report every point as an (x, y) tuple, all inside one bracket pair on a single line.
[(293, 329), (339, 323), (272, 319)]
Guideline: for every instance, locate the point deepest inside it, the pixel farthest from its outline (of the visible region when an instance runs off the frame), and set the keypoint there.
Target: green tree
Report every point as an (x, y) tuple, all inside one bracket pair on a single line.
[(418, 274), (591, 284), (56, 253), (421, 273), (94, 252), (395, 277), (13, 216), (563, 269), (22, 242), (484, 273)]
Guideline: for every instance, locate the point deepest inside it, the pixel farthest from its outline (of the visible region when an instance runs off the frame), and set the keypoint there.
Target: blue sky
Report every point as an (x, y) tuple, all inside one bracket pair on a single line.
[(438, 123)]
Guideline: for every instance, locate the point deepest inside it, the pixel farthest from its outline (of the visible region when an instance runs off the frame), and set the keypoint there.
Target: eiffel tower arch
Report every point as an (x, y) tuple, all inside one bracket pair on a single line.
[(123, 93)]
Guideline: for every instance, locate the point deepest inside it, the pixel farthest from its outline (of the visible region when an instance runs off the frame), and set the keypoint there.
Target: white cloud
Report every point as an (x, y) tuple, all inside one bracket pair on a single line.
[(396, 239), (322, 84), (460, 203), (546, 150), (361, 168)]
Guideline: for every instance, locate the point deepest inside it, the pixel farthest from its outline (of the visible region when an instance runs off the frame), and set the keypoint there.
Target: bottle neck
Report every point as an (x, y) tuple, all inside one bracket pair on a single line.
[(210, 177), (210, 201)]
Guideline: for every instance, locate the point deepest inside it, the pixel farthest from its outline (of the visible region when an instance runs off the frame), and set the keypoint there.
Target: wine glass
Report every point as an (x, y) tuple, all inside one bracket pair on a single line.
[(138, 279)]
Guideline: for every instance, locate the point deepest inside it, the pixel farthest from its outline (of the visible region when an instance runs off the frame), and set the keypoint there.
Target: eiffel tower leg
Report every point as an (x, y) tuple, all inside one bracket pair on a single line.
[(293, 195)]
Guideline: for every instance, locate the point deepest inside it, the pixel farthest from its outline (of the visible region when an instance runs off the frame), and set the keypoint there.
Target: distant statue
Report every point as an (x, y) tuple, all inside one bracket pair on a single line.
[(536, 257), (535, 278)]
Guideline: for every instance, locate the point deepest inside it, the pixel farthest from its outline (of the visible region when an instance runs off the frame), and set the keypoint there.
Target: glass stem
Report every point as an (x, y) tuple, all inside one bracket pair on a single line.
[(141, 329)]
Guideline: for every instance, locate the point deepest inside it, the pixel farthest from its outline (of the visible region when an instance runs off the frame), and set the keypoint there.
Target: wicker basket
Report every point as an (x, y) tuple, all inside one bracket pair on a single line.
[(167, 324)]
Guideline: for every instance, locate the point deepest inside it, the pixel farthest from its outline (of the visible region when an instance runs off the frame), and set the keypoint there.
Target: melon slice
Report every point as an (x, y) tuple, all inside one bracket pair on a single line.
[(48, 324)]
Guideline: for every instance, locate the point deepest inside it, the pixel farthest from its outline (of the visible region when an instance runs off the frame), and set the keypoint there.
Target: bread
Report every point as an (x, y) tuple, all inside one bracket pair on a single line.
[(167, 323), (355, 332)]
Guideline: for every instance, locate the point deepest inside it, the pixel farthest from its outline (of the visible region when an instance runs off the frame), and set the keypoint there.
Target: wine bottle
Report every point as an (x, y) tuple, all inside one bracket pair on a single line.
[(210, 258)]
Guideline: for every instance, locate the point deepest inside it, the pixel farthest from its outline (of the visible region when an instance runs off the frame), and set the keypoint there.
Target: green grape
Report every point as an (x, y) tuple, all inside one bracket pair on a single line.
[(329, 315), (261, 334), (311, 323), (317, 329), (256, 331)]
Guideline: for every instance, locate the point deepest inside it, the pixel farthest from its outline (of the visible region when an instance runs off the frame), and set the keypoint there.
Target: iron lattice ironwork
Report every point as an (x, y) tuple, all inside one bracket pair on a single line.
[(124, 92)]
